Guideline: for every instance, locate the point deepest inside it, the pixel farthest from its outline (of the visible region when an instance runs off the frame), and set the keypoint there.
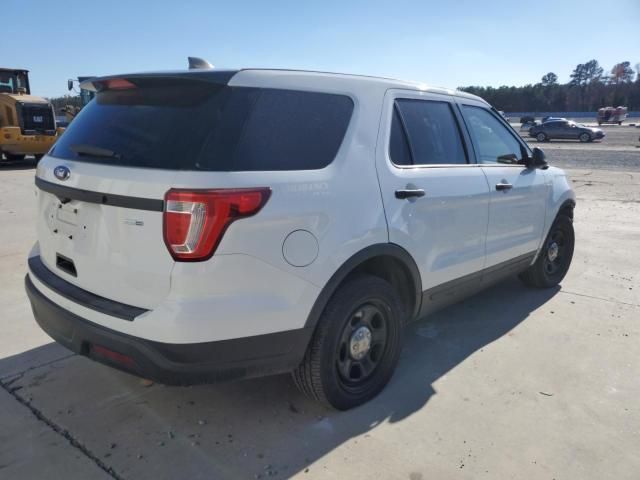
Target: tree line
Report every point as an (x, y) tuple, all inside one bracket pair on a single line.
[(589, 88), (64, 101)]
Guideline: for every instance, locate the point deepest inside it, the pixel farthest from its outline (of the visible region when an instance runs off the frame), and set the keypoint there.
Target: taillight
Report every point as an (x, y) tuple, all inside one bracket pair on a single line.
[(195, 220)]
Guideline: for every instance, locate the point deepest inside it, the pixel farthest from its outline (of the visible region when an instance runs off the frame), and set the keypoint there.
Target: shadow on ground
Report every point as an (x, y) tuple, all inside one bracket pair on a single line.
[(26, 164), (255, 428)]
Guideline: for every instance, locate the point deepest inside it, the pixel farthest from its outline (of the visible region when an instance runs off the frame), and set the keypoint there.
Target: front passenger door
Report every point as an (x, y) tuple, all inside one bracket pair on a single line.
[(517, 194)]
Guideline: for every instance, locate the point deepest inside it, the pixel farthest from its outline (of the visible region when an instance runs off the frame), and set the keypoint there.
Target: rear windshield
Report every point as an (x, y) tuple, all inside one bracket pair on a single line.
[(200, 126)]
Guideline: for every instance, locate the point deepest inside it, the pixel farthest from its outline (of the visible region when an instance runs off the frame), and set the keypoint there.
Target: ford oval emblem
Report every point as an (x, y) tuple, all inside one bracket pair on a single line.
[(61, 172)]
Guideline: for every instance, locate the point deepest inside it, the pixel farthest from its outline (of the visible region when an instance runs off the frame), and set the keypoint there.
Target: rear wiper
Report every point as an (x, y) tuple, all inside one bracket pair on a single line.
[(93, 151)]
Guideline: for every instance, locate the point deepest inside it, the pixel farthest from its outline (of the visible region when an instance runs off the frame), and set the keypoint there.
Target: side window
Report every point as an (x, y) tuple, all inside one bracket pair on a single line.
[(431, 135), (293, 130), (495, 143), (398, 144)]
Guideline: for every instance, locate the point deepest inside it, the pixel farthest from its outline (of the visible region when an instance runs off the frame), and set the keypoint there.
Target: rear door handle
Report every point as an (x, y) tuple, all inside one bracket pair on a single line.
[(504, 186), (410, 193)]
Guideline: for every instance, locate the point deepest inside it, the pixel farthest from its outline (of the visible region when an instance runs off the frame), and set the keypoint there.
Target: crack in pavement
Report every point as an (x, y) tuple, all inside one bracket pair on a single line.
[(600, 298), (20, 374), (6, 386)]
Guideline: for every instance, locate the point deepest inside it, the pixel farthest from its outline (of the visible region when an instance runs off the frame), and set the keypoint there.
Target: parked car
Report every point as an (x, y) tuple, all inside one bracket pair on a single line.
[(565, 130), (528, 125), (612, 115), (241, 223)]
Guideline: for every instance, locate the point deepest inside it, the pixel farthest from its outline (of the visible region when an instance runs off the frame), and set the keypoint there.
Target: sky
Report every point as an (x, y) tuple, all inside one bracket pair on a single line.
[(446, 43)]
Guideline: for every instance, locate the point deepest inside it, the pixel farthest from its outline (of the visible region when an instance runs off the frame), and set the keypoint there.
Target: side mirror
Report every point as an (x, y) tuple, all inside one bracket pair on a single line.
[(69, 84), (537, 160)]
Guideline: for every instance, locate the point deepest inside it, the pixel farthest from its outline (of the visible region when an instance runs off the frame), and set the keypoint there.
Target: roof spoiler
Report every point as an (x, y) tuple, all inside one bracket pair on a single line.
[(196, 63)]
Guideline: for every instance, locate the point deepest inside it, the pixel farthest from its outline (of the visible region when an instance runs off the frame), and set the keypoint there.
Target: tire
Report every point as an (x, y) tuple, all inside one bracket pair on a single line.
[(541, 137), (330, 371), (549, 269), (14, 158), (619, 123), (585, 137)]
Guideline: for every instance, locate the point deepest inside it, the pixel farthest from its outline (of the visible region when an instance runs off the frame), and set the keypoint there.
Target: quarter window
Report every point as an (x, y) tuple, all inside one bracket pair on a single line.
[(493, 141), (425, 132)]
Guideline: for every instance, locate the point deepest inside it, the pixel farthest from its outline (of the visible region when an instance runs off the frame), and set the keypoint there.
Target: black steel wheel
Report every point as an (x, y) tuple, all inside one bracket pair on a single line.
[(362, 343), (356, 345), (554, 259)]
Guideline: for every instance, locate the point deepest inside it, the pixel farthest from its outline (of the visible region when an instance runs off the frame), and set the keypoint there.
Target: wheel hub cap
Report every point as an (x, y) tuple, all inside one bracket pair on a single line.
[(360, 343), (552, 252)]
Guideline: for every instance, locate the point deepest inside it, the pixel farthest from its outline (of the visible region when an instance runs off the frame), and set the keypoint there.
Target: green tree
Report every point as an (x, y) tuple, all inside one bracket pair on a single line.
[(549, 79), (622, 73), (592, 71)]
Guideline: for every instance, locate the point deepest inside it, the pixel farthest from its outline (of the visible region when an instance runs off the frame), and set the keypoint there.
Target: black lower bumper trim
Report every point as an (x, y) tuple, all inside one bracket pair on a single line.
[(80, 296), (172, 364)]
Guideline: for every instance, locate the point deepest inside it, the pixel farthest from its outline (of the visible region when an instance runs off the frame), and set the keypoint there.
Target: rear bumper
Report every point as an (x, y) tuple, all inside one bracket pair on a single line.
[(173, 364), (13, 141)]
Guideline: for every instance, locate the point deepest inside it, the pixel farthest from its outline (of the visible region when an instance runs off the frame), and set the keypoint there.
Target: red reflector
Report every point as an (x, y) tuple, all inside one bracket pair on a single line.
[(116, 357), (114, 84), (195, 220)]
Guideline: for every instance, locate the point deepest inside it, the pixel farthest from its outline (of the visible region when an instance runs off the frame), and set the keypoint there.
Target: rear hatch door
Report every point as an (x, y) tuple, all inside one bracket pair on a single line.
[(101, 188)]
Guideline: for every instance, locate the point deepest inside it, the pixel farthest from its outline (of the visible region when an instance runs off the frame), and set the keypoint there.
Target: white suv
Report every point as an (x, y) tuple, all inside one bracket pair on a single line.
[(203, 225)]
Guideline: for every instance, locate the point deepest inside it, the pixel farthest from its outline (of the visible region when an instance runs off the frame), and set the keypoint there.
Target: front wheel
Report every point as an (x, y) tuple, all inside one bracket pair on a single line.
[(585, 137), (356, 346), (555, 257), (541, 137)]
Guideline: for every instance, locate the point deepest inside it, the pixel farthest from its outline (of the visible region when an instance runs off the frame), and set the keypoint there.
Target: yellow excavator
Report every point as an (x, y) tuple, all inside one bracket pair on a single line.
[(27, 122)]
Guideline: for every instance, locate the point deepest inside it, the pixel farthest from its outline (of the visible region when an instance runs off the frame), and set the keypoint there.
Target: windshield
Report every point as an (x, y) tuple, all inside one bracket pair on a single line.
[(10, 82)]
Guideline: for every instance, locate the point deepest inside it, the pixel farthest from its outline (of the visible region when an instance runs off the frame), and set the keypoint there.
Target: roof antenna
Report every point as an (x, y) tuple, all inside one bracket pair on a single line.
[(196, 63)]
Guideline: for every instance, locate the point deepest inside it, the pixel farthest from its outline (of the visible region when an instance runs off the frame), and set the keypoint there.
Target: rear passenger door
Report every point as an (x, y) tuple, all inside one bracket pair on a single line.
[(435, 199), (517, 194)]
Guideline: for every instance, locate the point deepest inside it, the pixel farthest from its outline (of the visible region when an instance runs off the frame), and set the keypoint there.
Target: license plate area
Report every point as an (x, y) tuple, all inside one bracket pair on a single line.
[(67, 214), (68, 220)]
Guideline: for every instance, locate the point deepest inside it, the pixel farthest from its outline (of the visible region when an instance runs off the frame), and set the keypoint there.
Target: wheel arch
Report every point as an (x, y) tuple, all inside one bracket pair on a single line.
[(566, 208), (386, 260)]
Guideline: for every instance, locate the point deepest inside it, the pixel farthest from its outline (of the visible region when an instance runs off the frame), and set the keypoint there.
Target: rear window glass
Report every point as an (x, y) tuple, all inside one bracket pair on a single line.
[(199, 126)]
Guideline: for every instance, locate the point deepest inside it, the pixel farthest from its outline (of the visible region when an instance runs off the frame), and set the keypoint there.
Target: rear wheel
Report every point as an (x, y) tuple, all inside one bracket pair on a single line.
[(585, 137), (555, 257), (356, 346), (541, 137), (13, 157)]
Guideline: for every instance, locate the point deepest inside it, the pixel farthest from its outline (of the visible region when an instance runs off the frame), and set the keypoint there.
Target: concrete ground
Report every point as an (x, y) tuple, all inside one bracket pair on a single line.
[(512, 383)]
